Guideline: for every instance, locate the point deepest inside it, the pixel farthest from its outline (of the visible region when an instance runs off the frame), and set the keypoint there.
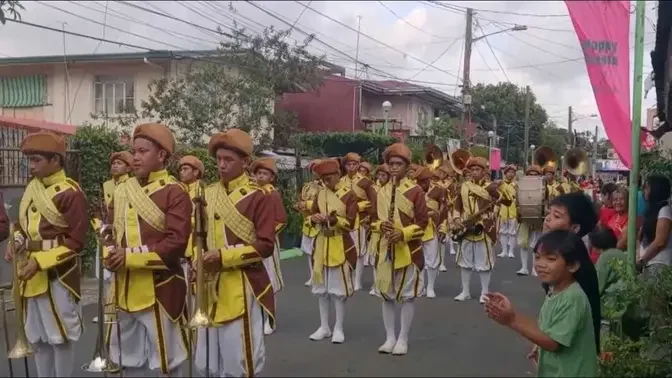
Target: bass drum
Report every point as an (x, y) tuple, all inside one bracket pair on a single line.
[(531, 198)]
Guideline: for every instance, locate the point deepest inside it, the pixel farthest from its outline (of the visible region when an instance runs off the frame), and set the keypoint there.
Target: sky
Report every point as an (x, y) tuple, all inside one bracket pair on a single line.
[(417, 41)]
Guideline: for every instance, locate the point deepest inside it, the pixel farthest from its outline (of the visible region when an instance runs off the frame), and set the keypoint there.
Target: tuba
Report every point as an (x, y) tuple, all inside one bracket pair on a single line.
[(576, 161), (433, 156), (459, 159), (544, 156)]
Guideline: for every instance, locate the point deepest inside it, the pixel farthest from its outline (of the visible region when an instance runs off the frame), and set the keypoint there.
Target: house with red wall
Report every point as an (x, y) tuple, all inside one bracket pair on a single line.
[(342, 104)]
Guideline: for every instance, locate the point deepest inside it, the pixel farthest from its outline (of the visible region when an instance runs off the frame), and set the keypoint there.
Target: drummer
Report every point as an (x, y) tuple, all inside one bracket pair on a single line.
[(528, 231)]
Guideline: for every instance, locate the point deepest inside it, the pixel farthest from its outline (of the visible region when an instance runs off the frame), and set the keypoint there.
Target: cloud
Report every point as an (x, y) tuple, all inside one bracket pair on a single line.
[(540, 57)]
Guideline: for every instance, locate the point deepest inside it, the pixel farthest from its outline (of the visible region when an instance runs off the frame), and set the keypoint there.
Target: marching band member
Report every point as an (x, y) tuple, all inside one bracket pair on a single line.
[(334, 213), (151, 215), (528, 233), (553, 188), (265, 170), (508, 215), (434, 197), (569, 184), (365, 170), (120, 167), (191, 170), (53, 222), (382, 178), (308, 230), (400, 261), (452, 186), (240, 235), (476, 250), (363, 188)]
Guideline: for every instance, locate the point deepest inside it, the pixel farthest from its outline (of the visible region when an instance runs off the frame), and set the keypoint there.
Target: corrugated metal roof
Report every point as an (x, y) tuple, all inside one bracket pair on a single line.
[(35, 125)]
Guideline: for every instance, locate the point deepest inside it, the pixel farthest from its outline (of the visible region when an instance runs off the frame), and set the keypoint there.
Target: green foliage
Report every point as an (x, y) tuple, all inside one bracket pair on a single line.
[(441, 130), (506, 102), (656, 162), (236, 88), (639, 310), (211, 174), (368, 145), (480, 151), (288, 184), (95, 144), (10, 8)]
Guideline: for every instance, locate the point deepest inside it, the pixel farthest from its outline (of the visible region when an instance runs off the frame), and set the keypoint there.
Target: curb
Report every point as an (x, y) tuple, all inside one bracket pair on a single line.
[(290, 253)]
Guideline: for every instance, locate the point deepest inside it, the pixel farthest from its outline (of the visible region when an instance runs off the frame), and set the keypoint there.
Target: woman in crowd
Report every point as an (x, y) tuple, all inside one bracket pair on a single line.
[(656, 244)]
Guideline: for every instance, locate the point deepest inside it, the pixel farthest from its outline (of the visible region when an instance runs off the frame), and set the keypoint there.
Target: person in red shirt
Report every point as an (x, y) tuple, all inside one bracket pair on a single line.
[(606, 208)]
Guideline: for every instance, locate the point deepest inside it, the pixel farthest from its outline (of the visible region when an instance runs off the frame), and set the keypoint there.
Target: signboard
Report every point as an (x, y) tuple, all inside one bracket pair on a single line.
[(495, 159), (610, 165)]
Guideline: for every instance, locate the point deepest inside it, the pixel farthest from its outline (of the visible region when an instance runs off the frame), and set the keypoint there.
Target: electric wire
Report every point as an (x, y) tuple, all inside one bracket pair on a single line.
[(437, 58), (406, 22), (478, 24)]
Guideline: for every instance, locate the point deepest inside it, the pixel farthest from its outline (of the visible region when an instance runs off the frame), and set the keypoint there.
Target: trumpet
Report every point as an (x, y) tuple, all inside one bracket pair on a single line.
[(22, 348), (101, 361)]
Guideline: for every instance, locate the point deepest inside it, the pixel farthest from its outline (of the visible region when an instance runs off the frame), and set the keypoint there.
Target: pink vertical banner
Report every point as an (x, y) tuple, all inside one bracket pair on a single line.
[(495, 159), (603, 30)]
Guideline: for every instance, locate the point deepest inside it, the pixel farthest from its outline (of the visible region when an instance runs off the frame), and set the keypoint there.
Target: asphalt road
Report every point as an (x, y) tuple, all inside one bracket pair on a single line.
[(448, 338)]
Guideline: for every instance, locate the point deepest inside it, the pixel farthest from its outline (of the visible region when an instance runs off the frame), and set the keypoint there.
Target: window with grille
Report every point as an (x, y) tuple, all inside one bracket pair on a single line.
[(113, 95), (23, 91)]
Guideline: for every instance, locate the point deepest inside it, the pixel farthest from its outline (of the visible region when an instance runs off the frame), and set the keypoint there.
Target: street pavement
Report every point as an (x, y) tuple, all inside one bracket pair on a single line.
[(448, 338)]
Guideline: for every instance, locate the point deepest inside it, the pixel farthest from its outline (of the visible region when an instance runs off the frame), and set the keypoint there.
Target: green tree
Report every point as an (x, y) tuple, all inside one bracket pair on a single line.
[(236, 88), (10, 8), (367, 145), (440, 130), (505, 102)]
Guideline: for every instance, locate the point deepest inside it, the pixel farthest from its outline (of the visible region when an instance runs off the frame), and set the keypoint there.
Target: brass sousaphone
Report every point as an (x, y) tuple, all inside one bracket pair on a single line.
[(459, 159), (576, 161), (544, 156)]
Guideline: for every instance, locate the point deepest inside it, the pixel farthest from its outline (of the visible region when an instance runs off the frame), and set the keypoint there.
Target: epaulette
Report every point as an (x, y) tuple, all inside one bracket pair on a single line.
[(408, 184), (173, 180), (74, 184)]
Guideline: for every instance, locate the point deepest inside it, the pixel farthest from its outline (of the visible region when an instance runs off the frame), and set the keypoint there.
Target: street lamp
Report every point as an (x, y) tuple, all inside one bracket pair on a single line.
[(386, 112), (531, 157)]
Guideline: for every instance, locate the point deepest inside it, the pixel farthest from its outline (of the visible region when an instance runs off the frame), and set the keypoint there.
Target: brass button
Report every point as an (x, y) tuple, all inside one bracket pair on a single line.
[(217, 217)]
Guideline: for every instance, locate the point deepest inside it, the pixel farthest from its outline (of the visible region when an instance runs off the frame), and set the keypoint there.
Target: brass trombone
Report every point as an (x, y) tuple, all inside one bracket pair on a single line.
[(200, 318), (101, 362), (22, 348)]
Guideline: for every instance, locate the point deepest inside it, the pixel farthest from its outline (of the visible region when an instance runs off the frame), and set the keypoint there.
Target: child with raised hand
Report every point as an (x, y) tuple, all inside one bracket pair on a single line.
[(566, 335)]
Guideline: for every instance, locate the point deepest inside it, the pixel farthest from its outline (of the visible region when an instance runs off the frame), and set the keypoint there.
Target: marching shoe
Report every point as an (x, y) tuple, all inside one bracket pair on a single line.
[(308, 283), (431, 293), (510, 255), (358, 287), (523, 272), (388, 346), (534, 272), (502, 254), (482, 299), (268, 330), (462, 297), (372, 292), (338, 337), (320, 334), (442, 268), (400, 348)]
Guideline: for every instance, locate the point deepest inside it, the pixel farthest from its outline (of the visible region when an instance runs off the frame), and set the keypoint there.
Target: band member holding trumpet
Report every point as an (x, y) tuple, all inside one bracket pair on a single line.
[(240, 234), (434, 197), (120, 167), (308, 230), (475, 218), (334, 213), (265, 171), (53, 222), (151, 215), (508, 224), (401, 218), (363, 189)]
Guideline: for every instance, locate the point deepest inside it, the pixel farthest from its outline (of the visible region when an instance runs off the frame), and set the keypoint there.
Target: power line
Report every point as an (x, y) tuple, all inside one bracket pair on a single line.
[(299, 17), (406, 22), (437, 58), (374, 39), (508, 12), (492, 51)]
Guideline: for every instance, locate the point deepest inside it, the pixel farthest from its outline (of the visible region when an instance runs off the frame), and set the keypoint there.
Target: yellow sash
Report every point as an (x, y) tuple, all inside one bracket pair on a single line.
[(328, 202), (508, 190), (131, 193), (223, 203), (36, 193), (402, 253)]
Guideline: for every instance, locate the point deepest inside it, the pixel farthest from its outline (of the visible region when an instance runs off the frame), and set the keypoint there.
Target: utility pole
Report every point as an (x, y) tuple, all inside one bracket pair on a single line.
[(466, 93), (527, 123), (570, 136), (595, 152), (357, 96)]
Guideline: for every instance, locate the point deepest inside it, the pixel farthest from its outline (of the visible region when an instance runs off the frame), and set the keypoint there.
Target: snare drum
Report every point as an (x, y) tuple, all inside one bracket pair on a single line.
[(531, 197)]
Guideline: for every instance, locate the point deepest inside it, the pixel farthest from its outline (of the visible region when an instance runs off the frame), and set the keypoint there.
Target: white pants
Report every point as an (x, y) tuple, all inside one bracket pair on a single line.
[(53, 317), (149, 339), (432, 253), (307, 244), (476, 255), (507, 234), (272, 265), (409, 283), (338, 281), (230, 354)]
